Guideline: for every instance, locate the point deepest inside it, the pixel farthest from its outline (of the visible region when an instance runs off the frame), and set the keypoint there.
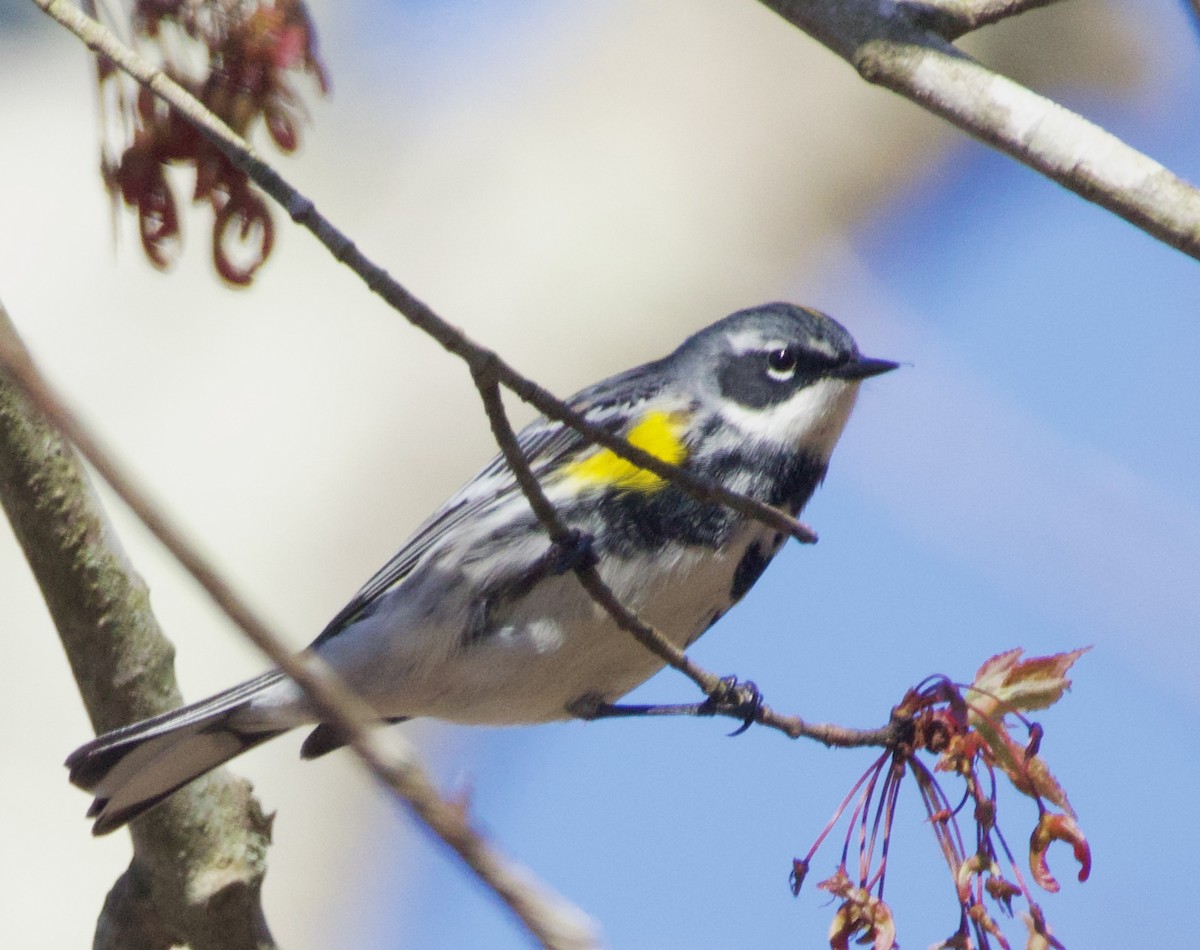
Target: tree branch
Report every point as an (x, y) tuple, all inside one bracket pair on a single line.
[(902, 46), (417, 312), (585, 570), (893, 45), (554, 922), (484, 364), (125, 671), (716, 688)]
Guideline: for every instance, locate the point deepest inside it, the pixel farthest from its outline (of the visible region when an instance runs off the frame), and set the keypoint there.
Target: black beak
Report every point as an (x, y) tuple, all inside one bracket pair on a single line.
[(860, 367)]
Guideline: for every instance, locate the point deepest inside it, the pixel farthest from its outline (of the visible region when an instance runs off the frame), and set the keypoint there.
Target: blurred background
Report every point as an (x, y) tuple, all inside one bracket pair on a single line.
[(581, 186)]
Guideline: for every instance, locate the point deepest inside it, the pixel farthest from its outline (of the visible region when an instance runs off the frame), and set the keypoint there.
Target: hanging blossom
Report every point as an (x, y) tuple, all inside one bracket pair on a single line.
[(239, 58), (969, 733)]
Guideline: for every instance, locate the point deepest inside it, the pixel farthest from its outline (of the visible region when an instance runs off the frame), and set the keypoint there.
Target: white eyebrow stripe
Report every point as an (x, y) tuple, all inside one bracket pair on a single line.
[(822, 346), (750, 341)]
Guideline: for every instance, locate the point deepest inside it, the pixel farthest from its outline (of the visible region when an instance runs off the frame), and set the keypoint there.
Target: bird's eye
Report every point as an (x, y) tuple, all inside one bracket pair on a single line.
[(781, 364)]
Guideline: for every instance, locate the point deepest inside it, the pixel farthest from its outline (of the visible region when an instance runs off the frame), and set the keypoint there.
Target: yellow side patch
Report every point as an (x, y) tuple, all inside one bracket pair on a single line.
[(658, 433)]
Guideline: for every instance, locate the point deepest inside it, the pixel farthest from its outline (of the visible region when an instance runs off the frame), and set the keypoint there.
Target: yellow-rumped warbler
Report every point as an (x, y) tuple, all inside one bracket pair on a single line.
[(472, 622)]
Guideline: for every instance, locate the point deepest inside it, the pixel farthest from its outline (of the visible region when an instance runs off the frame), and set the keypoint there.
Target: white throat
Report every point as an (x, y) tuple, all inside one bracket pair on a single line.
[(812, 419)]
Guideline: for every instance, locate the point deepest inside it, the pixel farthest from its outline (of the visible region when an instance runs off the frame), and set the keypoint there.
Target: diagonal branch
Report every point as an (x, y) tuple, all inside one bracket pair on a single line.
[(653, 640), (552, 921), (894, 45), (125, 671), (416, 311), (484, 364), (561, 535)]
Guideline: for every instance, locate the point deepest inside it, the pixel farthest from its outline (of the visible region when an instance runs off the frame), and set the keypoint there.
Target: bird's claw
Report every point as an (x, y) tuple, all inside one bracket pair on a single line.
[(740, 700)]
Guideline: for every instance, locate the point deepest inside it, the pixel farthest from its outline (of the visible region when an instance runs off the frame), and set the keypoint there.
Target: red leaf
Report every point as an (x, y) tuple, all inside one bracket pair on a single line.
[(243, 227), (1052, 827)]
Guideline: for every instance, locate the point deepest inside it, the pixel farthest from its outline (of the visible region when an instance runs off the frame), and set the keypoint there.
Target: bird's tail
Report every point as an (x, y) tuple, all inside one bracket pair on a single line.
[(133, 768)]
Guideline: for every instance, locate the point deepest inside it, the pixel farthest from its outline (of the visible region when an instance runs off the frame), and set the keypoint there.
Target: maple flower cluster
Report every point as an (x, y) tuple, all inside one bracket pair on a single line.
[(237, 57), (968, 729)]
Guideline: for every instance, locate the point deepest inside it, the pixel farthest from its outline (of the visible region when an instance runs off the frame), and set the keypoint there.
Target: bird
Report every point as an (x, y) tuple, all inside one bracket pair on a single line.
[(475, 621)]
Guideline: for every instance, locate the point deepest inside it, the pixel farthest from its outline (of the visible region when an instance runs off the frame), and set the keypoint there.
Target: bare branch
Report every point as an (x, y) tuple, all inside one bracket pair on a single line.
[(903, 46), (485, 365), (554, 922), (585, 570), (304, 213), (125, 670), (713, 686), (327, 694), (890, 45)]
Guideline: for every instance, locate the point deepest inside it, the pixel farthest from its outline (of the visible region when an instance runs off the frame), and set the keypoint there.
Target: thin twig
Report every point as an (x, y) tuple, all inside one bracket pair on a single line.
[(712, 685), (652, 639), (890, 44), (417, 312), (483, 363), (554, 922)]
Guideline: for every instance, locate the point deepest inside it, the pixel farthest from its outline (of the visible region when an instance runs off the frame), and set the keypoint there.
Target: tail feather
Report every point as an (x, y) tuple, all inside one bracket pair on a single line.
[(132, 769), (328, 738)]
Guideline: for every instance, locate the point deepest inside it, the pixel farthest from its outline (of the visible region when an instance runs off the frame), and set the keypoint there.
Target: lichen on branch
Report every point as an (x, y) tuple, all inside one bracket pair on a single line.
[(199, 859)]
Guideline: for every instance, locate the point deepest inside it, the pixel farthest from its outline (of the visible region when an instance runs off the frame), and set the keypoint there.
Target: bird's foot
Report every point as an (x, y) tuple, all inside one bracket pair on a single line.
[(732, 698), (738, 700)]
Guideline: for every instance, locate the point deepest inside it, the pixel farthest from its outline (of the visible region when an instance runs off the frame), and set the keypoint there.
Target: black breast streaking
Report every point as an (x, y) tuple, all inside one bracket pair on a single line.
[(637, 523)]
